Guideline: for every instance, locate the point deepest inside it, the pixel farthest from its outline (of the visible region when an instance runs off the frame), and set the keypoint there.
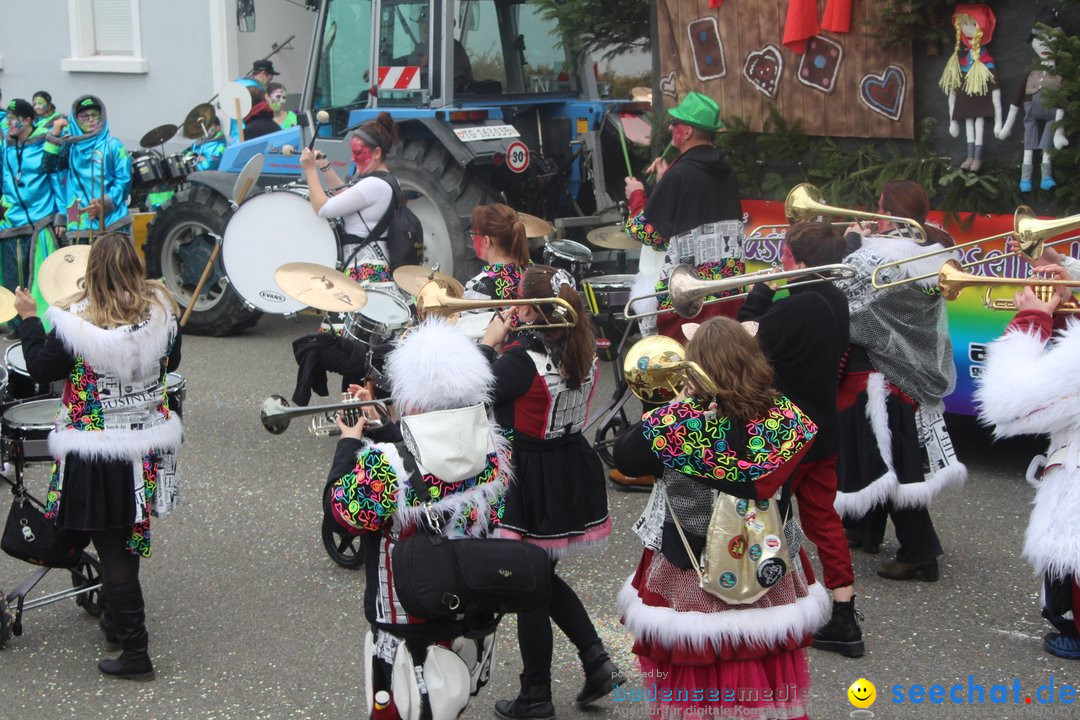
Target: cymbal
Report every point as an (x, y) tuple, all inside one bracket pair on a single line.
[(158, 136), (612, 237), (62, 274), (7, 304), (411, 278), (641, 94), (320, 287), (201, 116), (534, 226)]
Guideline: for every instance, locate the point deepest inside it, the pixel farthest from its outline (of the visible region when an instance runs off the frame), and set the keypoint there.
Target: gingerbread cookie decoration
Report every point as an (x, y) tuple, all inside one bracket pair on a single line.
[(821, 63), (763, 69), (708, 48), (884, 92)]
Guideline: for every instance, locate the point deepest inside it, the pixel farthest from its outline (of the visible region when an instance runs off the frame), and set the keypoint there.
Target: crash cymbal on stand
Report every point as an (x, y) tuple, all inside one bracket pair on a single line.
[(411, 278), (612, 237), (63, 273), (535, 227), (158, 136), (7, 304), (320, 287), (199, 122)]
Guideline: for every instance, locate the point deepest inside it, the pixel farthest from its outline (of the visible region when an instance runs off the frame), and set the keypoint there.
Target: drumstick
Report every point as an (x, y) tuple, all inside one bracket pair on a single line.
[(321, 118), (202, 281), (290, 150), (662, 155), (625, 152)]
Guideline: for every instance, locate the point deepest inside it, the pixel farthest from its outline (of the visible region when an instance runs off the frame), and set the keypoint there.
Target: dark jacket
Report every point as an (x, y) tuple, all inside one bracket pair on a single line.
[(804, 336), (699, 187), (260, 121)]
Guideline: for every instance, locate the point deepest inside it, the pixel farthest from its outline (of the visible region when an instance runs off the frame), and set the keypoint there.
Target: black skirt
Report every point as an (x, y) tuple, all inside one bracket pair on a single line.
[(97, 495), (558, 496)]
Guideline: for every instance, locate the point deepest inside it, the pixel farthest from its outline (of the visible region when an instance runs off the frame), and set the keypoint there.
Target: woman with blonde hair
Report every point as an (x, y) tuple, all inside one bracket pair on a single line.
[(543, 384), (115, 437), (740, 439)]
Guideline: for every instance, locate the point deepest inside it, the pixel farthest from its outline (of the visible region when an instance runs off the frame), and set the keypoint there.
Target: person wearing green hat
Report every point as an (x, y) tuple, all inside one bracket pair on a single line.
[(692, 214)]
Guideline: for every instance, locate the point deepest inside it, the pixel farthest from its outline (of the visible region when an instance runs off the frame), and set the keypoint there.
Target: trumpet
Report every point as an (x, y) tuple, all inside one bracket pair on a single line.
[(688, 292), (656, 370), (804, 202), (277, 414), (1030, 232), (952, 280), (444, 299)]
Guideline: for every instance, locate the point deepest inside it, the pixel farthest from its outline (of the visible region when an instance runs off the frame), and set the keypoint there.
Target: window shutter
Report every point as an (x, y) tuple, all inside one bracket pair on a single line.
[(113, 27)]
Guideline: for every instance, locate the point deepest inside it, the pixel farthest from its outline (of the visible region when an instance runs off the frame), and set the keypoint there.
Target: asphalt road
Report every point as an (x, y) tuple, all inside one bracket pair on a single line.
[(249, 618)]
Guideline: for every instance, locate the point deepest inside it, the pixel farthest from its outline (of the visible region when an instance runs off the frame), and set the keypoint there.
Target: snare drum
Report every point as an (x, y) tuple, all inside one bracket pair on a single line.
[(19, 383), (146, 170), (571, 256), (26, 428), (384, 315), (607, 293), (176, 389), (267, 231)]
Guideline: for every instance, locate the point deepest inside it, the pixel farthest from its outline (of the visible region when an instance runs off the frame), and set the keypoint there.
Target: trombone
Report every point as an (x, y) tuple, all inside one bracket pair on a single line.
[(277, 414), (687, 291), (444, 299), (953, 280), (656, 370), (1030, 232), (805, 202)]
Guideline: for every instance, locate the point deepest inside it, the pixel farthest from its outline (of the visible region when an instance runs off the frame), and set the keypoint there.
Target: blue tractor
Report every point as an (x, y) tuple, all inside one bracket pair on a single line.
[(491, 105)]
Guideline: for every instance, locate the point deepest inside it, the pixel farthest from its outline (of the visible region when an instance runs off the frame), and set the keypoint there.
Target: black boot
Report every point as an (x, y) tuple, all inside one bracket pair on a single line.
[(129, 620), (532, 703), (842, 633), (107, 627), (601, 675)]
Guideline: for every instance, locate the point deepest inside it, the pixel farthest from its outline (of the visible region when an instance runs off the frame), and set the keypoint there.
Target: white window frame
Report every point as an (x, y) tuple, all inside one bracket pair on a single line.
[(83, 59)]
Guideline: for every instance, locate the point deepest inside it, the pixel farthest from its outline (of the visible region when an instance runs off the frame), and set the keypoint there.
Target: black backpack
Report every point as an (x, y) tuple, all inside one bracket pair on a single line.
[(404, 232)]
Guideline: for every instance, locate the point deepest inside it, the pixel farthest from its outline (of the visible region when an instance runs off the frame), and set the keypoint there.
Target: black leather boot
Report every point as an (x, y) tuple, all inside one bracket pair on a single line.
[(532, 703), (106, 623), (898, 570), (842, 633), (601, 675), (129, 620)]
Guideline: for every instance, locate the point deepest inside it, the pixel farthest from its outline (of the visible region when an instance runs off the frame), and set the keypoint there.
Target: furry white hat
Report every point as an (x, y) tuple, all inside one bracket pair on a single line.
[(437, 367)]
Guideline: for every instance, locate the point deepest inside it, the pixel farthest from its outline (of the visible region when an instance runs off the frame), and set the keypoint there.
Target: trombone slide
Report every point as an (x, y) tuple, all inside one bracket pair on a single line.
[(277, 414)]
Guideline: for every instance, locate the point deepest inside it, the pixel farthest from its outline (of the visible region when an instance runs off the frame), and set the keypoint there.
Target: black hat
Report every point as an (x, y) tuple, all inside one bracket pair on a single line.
[(263, 66), (88, 102), (20, 108), (44, 95)]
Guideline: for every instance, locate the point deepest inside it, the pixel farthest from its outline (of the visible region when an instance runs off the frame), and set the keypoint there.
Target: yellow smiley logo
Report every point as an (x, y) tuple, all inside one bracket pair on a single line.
[(862, 693)]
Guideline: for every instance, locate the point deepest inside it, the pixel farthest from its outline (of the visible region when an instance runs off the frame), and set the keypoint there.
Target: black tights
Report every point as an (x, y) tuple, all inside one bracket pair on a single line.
[(535, 637), (118, 565)]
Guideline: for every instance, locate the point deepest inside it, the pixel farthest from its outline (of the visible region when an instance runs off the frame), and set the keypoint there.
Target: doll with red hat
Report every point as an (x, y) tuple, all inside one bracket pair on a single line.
[(969, 79)]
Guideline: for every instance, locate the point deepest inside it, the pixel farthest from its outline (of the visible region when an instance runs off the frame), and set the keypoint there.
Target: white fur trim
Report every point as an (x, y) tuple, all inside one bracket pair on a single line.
[(123, 351), (1028, 388), (117, 444), (893, 247), (1052, 539), (762, 627), (857, 504), (437, 367), (919, 494)]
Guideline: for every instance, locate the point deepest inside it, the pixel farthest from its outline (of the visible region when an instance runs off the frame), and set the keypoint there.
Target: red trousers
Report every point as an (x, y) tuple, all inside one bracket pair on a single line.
[(814, 486)]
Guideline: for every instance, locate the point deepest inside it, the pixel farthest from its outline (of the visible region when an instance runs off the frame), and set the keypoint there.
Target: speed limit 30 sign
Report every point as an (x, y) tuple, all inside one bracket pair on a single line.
[(517, 157)]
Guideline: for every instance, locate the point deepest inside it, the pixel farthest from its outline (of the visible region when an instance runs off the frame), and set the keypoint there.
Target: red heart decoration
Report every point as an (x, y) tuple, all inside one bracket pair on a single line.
[(763, 69), (884, 93)]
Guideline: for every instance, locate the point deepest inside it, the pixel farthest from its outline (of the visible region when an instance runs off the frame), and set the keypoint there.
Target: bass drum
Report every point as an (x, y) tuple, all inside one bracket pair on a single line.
[(268, 231)]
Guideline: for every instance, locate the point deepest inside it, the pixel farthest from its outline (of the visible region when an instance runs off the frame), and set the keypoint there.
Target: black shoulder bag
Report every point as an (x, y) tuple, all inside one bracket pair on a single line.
[(475, 579), (30, 536)]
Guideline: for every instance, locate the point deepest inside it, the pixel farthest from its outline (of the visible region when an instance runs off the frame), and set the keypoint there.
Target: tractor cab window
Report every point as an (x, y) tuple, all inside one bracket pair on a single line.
[(342, 77), (510, 47), (404, 52)]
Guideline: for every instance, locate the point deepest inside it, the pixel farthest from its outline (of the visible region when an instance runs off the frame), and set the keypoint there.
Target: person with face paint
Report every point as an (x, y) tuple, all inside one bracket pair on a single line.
[(498, 238), (276, 95), (363, 203), (31, 198), (44, 110), (87, 159)]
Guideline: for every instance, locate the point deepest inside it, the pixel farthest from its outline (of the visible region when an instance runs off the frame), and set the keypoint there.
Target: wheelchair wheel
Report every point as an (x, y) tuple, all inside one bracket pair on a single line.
[(6, 621), (343, 548), (604, 439), (87, 573)]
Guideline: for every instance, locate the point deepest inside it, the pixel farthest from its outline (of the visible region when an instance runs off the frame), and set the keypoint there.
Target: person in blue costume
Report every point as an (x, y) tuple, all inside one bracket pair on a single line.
[(44, 110), (86, 158), (258, 77), (31, 198), (209, 150)]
